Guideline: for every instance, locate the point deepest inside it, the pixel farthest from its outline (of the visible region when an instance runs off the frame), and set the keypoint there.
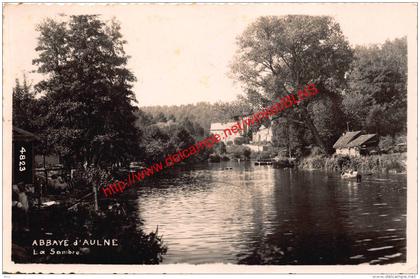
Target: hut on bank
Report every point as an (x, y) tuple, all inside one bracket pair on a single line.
[(355, 144)]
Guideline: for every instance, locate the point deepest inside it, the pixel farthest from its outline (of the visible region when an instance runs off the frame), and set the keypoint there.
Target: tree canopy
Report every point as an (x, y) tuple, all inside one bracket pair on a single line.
[(376, 100), (87, 88), (83, 108), (277, 55)]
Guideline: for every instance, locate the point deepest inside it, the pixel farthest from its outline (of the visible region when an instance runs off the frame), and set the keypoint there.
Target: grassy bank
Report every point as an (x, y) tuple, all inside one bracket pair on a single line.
[(394, 163), (79, 221)]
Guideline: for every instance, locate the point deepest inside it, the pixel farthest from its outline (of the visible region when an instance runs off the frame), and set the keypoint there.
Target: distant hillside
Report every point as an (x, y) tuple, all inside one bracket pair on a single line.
[(203, 113)]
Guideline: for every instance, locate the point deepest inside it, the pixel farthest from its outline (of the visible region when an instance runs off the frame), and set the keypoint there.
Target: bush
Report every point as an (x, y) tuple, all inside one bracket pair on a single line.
[(264, 154), (221, 147), (364, 164), (247, 153), (315, 151), (338, 163), (84, 179), (239, 152), (239, 140), (214, 158), (81, 221), (386, 144), (225, 158), (313, 162)]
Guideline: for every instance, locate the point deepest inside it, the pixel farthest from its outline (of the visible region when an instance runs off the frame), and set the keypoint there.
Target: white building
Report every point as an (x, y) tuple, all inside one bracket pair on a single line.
[(263, 135), (224, 130)]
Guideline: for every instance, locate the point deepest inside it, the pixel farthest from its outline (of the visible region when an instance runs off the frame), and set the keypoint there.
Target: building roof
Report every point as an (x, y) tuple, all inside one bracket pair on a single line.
[(361, 140), (20, 134), (344, 140), (165, 124)]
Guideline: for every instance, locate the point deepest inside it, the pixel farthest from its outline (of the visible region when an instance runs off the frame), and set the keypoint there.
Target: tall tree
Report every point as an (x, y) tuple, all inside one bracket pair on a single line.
[(277, 53), (377, 97), (24, 106), (87, 89)]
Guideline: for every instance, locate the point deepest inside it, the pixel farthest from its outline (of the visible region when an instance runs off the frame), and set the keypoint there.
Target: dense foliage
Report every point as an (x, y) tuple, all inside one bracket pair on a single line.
[(279, 55), (361, 89), (84, 110), (376, 100), (201, 113)]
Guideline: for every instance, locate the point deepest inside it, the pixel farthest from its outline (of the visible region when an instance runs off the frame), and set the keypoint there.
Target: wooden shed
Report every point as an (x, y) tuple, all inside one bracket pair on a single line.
[(355, 144)]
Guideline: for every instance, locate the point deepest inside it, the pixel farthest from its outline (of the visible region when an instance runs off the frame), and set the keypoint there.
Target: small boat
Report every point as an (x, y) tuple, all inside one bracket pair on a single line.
[(264, 162), (349, 174), (227, 168), (284, 163)]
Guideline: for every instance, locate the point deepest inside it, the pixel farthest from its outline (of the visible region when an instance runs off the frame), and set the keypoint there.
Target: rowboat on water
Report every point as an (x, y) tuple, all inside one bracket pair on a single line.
[(264, 162), (351, 174)]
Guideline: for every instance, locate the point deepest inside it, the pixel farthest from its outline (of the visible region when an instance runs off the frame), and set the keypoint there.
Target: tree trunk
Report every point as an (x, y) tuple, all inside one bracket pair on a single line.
[(287, 129), (95, 196), (309, 123)]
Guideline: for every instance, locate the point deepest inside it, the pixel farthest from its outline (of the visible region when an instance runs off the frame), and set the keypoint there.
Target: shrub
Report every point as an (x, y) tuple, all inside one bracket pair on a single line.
[(386, 144), (239, 151), (239, 140), (247, 153), (264, 155), (366, 164), (316, 151), (338, 163), (313, 162), (92, 176), (225, 158), (214, 158), (222, 147), (111, 221)]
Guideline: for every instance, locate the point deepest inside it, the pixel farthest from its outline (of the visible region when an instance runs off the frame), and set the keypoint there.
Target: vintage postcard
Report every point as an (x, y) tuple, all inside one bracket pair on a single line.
[(210, 138)]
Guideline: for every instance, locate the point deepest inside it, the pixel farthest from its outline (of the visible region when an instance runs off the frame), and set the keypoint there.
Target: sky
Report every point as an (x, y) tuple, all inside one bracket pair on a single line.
[(180, 53)]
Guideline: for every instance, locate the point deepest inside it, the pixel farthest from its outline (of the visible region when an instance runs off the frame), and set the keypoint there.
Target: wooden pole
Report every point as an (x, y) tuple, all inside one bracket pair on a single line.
[(95, 196)]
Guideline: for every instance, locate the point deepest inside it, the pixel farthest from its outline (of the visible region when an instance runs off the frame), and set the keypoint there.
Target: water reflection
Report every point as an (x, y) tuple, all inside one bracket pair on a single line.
[(261, 215)]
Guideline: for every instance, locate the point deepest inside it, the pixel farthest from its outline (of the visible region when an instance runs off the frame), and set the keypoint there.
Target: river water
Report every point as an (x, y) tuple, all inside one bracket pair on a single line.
[(261, 215)]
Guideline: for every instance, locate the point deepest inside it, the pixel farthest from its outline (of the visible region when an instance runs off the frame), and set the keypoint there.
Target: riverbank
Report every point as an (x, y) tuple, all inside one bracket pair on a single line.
[(107, 236), (392, 163), (82, 232)]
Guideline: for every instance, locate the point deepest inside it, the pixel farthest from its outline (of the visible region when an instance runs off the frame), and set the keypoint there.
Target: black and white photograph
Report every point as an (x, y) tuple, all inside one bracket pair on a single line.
[(264, 137)]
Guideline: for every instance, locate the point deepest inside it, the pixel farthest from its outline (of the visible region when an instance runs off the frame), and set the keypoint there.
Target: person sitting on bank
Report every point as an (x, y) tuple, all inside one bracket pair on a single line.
[(20, 206)]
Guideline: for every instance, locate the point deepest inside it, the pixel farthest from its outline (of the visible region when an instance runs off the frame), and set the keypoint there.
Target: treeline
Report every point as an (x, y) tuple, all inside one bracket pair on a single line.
[(373, 101), (372, 98), (155, 136), (203, 113), (163, 136), (166, 129), (362, 88), (84, 110), (376, 98)]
